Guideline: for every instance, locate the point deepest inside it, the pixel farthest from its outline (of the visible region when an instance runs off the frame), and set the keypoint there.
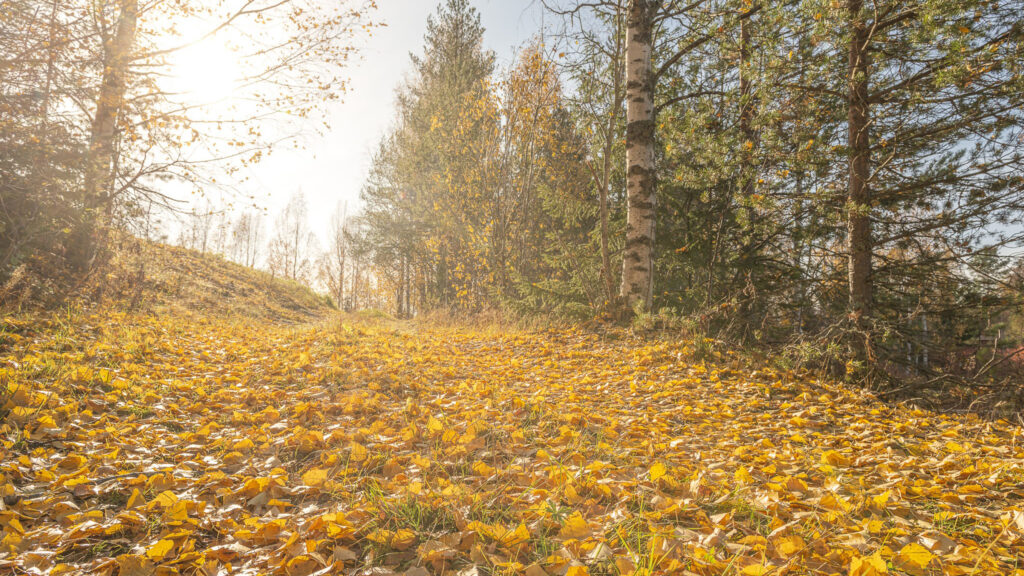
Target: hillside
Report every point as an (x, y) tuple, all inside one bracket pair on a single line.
[(142, 275), (214, 442)]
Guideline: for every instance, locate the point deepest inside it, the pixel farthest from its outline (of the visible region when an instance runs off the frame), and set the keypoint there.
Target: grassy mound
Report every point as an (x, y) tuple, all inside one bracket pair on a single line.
[(139, 276)]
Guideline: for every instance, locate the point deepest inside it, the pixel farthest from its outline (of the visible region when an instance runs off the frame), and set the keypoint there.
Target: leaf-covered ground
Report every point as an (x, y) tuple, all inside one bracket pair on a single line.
[(139, 445)]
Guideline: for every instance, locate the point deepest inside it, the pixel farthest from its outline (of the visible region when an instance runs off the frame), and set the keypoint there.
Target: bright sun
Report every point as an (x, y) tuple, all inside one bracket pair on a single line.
[(207, 73)]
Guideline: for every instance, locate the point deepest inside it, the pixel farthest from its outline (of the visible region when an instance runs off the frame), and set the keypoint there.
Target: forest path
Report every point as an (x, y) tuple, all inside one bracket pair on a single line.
[(184, 444)]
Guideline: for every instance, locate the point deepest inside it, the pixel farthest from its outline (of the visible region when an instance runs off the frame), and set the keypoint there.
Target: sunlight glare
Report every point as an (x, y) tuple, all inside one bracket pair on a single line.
[(207, 73)]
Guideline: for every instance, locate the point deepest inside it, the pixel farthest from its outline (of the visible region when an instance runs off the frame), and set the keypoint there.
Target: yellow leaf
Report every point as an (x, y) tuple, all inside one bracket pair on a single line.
[(796, 485), (72, 461), (834, 458), (577, 571), (755, 570), (873, 565), (434, 425), (482, 469), (244, 445), (314, 477), (136, 499), (881, 500), (835, 502), (743, 476), (177, 512), (403, 539), (658, 471), (575, 527), (914, 559), (165, 499), (130, 565), (160, 550), (338, 531), (512, 537), (359, 453), (789, 545), (46, 421)]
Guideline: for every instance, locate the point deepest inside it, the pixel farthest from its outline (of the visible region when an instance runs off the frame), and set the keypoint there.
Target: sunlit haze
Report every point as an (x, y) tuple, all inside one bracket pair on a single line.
[(206, 73), (330, 167)]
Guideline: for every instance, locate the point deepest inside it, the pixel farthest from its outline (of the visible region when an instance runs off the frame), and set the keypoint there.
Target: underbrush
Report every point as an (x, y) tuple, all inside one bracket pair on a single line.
[(980, 382)]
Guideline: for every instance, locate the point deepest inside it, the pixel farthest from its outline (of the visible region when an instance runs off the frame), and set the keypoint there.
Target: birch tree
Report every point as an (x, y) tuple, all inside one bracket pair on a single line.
[(247, 238), (335, 261), (293, 247)]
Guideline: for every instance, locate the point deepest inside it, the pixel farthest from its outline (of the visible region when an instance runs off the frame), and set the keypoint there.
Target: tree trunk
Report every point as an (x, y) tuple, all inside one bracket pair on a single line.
[(340, 296), (51, 71), (858, 203), (638, 261), (747, 265), (747, 114), (604, 185), (606, 261), (442, 275), (406, 286), (355, 286), (100, 162)]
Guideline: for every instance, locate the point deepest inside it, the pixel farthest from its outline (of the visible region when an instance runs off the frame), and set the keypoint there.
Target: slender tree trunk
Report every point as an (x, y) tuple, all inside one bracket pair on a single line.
[(746, 114), (116, 57), (399, 286), (355, 286), (604, 185), (748, 178), (51, 70), (859, 194), (606, 260), (406, 300), (802, 259), (638, 263), (340, 296), (100, 161), (295, 253), (442, 275)]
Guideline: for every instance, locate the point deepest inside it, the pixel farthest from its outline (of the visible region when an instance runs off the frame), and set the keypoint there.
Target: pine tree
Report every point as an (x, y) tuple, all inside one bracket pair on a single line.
[(426, 184)]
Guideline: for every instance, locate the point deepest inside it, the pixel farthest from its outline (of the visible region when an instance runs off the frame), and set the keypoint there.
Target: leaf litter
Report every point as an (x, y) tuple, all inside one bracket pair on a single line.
[(180, 444)]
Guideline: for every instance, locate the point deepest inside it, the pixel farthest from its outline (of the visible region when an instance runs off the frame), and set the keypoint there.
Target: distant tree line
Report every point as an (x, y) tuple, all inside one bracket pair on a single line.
[(843, 178), (288, 248)]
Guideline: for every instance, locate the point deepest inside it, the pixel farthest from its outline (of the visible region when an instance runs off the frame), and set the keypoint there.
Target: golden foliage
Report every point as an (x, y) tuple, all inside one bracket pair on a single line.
[(179, 444)]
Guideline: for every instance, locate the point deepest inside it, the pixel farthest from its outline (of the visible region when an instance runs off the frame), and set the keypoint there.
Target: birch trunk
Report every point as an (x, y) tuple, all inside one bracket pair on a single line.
[(117, 55), (638, 261), (100, 161)]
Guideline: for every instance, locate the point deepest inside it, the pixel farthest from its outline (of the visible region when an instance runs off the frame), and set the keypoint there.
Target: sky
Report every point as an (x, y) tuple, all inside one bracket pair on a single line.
[(332, 167)]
